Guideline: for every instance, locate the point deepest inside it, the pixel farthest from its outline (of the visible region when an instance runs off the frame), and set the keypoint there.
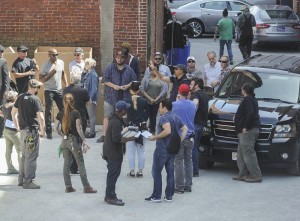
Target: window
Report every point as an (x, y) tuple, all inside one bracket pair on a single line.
[(236, 6), (221, 5), (277, 14)]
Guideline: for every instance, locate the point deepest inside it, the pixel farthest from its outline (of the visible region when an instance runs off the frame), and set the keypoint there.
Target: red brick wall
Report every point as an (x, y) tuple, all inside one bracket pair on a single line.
[(130, 25), (51, 23)]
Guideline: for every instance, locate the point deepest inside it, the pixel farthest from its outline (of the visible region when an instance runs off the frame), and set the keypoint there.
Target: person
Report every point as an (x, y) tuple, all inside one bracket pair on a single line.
[(247, 128), (137, 115), (157, 61), (131, 60), (52, 74), (225, 28), (113, 150), (192, 71), (81, 100), (23, 69), (185, 109), (4, 83), (225, 69), (161, 157), (91, 84), (212, 71), (153, 89), (177, 80), (199, 97), (78, 62), (11, 135), (117, 80), (73, 144), (245, 22), (28, 117)]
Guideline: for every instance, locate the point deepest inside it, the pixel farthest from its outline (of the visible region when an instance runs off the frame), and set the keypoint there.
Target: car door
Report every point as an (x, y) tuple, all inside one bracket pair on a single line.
[(212, 12)]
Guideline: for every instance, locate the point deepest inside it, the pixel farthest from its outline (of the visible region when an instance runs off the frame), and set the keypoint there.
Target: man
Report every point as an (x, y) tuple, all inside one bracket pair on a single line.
[(78, 62), (212, 71), (177, 80), (157, 61), (4, 83), (192, 71), (131, 60), (161, 157), (23, 69), (113, 151), (199, 97), (27, 115), (225, 28), (185, 109), (52, 74), (117, 80), (245, 22)]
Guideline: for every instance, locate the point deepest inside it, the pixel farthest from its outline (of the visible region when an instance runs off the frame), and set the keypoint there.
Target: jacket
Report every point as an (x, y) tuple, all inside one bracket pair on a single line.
[(4, 77), (91, 84)]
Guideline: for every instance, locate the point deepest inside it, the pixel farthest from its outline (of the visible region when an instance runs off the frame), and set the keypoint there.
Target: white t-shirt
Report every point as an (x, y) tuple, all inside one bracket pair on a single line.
[(75, 64), (54, 83)]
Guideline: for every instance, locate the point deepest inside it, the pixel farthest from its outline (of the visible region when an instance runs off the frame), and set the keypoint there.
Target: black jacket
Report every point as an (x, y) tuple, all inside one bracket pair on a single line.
[(247, 114), (112, 147)]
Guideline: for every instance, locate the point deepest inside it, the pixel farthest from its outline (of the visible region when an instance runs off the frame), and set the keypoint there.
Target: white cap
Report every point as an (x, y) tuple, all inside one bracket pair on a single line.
[(191, 58)]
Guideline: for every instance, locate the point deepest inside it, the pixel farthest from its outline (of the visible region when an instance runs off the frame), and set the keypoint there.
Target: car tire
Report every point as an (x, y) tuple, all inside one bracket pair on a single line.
[(206, 164), (197, 26), (294, 170)]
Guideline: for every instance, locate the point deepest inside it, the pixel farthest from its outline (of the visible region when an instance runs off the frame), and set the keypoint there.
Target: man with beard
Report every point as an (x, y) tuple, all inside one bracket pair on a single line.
[(131, 60), (27, 115), (158, 62), (117, 80)]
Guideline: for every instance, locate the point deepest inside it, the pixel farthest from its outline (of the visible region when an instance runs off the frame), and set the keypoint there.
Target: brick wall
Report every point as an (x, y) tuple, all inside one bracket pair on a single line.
[(51, 23)]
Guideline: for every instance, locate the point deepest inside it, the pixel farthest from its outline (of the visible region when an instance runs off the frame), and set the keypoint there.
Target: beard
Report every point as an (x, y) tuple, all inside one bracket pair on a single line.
[(36, 93)]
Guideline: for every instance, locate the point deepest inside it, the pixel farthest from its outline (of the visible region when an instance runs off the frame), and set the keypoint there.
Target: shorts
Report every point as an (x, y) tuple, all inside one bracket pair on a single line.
[(108, 109)]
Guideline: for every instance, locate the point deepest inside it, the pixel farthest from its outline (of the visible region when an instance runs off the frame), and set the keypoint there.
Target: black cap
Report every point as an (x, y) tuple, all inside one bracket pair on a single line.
[(2, 48), (181, 67), (22, 48)]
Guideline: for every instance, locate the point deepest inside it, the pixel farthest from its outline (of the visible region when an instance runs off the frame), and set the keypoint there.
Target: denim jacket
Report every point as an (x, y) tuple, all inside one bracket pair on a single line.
[(91, 84), (145, 83)]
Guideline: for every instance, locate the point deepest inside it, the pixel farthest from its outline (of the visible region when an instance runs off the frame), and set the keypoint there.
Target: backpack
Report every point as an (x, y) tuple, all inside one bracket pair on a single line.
[(247, 28)]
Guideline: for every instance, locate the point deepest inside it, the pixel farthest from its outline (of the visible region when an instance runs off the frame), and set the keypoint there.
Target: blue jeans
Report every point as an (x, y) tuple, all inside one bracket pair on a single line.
[(161, 159), (229, 50), (198, 129)]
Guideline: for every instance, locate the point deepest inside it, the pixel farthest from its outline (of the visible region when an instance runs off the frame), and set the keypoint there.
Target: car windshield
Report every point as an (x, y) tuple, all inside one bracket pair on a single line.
[(267, 86), (277, 14)]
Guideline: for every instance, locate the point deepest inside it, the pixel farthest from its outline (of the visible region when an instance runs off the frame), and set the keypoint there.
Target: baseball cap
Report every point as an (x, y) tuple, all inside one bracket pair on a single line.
[(11, 95), (191, 58), (181, 67), (78, 50), (122, 105), (157, 54), (244, 8), (2, 48), (184, 89), (22, 48), (34, 83)]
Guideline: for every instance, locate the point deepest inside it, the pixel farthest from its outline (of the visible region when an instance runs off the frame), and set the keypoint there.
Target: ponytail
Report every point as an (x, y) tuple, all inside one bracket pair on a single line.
[(68, 108)]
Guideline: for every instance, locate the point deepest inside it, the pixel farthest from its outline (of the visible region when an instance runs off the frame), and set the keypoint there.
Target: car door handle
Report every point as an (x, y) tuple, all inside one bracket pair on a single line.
[(206, 13)]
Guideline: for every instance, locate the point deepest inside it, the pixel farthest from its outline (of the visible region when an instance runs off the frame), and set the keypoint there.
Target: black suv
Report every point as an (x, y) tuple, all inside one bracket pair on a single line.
[(277, 82)]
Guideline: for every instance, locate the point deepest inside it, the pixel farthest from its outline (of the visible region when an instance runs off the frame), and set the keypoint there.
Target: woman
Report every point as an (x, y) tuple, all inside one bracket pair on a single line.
[(72, 143), (153, 89), (247, 128), (137, 116), (91, 83), (11, 135)]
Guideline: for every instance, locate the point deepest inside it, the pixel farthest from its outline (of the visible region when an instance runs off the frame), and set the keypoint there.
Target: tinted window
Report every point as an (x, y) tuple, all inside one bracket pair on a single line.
[(236, 6), (277, 14), (216, 5)]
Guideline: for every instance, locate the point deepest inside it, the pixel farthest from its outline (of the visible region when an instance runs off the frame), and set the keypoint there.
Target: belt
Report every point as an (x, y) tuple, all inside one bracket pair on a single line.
[(12, 129)]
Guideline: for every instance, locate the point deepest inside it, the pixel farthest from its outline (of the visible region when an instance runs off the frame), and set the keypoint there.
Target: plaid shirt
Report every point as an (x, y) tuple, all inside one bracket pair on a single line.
[(117, 77)]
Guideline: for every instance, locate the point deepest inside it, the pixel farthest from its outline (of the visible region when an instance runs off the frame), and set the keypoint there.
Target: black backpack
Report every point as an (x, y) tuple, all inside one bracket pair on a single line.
[(175, 141), (247, 28)]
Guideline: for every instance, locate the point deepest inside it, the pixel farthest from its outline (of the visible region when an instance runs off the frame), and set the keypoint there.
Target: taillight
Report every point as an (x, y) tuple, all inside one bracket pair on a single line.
[(173, 13), (262, 26), (296, 26)]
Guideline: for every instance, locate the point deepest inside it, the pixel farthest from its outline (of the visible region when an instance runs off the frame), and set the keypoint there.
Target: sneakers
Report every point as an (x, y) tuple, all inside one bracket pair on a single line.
[(12, 171), (114, 201), (31, 185), (253, 179), (139, 175), (196, 175), (132, 175), (168, 199), (177, 190), (100, 140), (20, 183), (49, 136), (89, 189), (231, 62), (90, 135), (239, 178), (187, 189), (152, 200), (70, 189)]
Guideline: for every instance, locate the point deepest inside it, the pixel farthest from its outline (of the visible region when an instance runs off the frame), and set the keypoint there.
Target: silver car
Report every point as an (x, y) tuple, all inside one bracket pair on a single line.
[(203, 15), (275, 23)]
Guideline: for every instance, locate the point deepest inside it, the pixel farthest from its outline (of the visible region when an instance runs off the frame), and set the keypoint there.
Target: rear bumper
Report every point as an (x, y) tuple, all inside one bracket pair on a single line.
[(276, 38)]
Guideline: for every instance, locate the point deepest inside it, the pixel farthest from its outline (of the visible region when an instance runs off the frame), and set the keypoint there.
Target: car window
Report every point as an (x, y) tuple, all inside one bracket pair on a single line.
[(277, 14), (236, 6), (221, 5)]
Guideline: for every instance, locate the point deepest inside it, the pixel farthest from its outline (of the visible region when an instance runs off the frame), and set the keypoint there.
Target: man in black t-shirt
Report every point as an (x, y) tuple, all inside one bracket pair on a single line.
[(23, 69), (200, 98), (27, 115)]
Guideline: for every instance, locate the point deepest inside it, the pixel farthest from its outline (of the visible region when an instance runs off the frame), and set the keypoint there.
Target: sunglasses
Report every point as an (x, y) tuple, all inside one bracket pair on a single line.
[(157, 59), (77, 55), (191, 61), (1, 51), (224, 61), (24, 51), (53, 55)]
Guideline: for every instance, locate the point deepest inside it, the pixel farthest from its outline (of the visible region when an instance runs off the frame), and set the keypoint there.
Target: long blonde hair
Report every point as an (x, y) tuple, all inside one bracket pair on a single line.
[(68, 108), (134, 90)]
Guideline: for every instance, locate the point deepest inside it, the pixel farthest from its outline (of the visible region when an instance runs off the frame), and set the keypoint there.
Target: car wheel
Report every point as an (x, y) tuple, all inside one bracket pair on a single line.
[(197, 26), (294, 170), (206, 164)]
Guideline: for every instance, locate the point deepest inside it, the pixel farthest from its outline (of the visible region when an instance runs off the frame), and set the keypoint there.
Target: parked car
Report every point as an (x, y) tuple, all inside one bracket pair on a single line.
[(277, 82), (203, 15), (178, 3), (275, 23)]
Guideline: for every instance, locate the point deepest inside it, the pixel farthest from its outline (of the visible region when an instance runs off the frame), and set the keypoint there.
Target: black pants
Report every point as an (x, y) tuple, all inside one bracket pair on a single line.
[(1, 126), (113, 173), (152, 111), (49, 97), (245, 45)]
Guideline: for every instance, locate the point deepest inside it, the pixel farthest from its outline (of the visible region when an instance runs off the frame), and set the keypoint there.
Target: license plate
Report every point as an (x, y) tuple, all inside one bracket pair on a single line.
[(280, 29), (234, 155)]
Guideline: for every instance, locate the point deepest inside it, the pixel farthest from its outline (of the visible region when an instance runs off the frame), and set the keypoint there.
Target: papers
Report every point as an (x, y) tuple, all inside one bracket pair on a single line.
[(146, 134)]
